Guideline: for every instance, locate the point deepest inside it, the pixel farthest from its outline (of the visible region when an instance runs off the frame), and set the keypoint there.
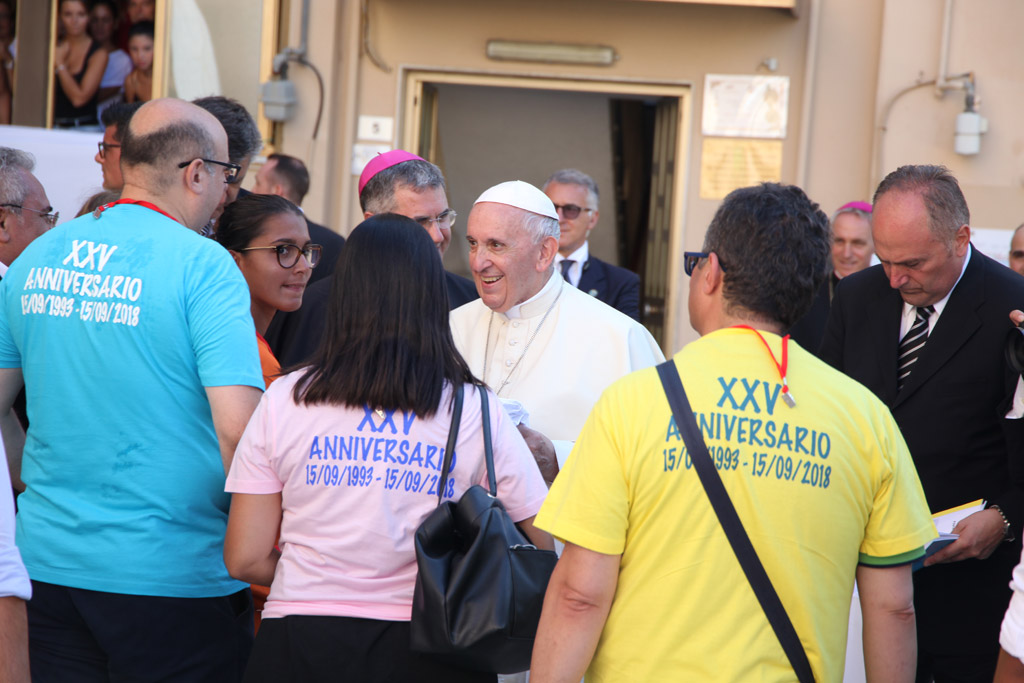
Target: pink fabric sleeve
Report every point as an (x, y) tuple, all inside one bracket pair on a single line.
[(521, 487), (251, 471)]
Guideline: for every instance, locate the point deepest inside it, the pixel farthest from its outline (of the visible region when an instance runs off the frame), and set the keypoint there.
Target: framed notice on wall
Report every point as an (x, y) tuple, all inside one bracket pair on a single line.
[(745, 106)]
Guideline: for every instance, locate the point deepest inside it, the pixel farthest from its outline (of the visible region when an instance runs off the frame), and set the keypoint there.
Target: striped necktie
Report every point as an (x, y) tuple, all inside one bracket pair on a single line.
[(912, 345)]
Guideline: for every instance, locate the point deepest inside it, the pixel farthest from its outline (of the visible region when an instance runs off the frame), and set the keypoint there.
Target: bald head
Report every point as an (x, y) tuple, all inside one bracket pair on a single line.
[(164, 133), (166, 157)]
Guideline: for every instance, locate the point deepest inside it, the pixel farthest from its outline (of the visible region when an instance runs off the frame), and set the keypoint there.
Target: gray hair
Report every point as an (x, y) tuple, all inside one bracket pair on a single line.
[(570, 176), (860, 213), (943, 199), (13, 188), (378, 196), (539, 226)]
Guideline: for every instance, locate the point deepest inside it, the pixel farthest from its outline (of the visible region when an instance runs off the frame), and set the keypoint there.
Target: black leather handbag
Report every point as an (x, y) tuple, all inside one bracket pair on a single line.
[(480, 585)]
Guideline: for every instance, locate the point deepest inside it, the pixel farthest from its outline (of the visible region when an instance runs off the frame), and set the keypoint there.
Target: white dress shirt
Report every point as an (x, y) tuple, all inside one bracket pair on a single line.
[(578, 257)]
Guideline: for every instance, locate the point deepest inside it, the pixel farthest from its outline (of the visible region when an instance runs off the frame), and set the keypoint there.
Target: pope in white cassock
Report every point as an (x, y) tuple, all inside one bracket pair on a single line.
[(532, 337)]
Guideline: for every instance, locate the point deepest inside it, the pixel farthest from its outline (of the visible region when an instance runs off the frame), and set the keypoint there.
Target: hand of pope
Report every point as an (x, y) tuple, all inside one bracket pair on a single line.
[(543, 452), (980, 534), (1016, 317)]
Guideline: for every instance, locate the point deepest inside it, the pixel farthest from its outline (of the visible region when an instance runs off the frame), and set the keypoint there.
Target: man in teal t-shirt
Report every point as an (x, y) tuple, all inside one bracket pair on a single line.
[(134, 339)]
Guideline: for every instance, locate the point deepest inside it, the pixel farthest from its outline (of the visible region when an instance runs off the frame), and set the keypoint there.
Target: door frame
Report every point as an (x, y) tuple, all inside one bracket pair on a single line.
[(410, 102)]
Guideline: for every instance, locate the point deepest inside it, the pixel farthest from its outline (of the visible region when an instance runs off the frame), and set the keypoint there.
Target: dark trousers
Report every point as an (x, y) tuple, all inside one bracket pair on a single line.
[(83, 636), (303, 649), (960, 608)]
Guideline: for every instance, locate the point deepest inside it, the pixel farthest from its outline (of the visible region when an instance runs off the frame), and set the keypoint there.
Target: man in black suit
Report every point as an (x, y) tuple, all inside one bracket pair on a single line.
[(851, 253), (393, 182), (286, 176), (925, 331), (575, 196)]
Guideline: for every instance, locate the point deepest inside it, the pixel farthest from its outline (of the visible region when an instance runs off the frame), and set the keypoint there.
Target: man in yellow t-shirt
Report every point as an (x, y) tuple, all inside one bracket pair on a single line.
[(648, 588)]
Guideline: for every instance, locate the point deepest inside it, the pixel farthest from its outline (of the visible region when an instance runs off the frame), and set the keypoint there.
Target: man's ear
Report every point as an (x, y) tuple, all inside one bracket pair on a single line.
[(961, 240), (711, 274), (194, 173), (237, 255), (548, 249), (367, 214), (5, 229)]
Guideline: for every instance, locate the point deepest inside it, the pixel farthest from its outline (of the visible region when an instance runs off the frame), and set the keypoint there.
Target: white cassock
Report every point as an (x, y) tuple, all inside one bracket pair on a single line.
[(582, 347)]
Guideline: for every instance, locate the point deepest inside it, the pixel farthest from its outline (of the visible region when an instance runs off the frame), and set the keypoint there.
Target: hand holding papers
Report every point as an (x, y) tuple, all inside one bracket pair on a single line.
[(976, 531)]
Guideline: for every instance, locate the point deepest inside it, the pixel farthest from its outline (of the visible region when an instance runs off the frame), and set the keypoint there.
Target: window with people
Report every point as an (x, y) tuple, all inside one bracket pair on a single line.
[(103, 55)]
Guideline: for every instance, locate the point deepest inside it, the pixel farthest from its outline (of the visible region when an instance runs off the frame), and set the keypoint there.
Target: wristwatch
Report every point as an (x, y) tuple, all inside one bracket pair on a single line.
[(1008, 535)]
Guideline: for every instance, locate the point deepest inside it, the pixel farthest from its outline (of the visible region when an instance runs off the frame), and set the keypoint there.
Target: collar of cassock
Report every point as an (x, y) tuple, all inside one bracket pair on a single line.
[(537, 304)]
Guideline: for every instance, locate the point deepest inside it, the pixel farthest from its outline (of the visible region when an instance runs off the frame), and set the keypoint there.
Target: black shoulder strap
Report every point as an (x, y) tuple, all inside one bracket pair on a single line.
[(731, 524), (453, 435), (485, 418)]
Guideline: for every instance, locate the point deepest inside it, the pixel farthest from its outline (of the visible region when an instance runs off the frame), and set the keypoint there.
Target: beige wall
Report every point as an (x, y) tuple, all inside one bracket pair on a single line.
[(921, 126), (862, 54), (540, 132), (673, 43)]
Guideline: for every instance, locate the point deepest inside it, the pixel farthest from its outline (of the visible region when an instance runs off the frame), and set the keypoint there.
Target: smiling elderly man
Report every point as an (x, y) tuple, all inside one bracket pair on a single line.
[(534, 338)]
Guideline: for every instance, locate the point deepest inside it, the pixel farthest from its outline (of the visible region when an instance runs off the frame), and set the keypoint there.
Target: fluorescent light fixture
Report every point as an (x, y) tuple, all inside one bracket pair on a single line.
[(551, 53)]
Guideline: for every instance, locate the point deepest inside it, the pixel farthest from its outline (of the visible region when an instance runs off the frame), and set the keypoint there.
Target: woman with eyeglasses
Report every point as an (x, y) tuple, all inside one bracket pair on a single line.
[(343, 455), (268, 237), (79, 65)]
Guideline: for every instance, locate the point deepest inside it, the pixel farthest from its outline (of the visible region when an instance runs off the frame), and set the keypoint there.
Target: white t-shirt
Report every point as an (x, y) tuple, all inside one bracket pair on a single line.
[(355, 486)]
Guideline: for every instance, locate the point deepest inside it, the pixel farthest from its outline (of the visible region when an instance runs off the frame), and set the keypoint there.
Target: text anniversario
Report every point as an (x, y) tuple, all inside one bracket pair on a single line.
[(750, 434), (378, 456), (89, 293)]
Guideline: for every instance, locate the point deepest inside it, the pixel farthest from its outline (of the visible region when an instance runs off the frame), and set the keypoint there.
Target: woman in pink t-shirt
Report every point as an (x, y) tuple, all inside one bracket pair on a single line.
[(343, 456)]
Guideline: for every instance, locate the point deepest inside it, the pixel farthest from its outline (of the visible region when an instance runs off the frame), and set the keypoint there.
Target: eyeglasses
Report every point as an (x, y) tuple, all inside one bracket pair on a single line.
[(445, 220), (570, 211), (104, 146), (231, 171), (46, 215), (692, 258), (288, 254)]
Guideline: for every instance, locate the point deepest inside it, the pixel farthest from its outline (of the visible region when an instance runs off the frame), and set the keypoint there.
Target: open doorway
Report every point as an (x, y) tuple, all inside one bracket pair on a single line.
[(482, 130)]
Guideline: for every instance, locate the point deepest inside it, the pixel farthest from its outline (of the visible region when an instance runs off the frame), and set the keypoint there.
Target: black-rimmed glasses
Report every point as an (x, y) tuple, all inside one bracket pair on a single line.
[(104, 146), (288, 254), (570, 211), (231, 171), (48, 216), (445, 220), (692, 258)]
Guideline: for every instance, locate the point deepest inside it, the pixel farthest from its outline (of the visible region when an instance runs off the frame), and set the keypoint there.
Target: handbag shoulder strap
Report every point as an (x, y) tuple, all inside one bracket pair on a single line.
[(453, 435), (485, 418), (731, 524)]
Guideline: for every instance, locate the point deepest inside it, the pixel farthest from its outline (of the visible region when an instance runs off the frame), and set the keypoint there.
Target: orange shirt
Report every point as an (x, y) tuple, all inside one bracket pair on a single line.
[(271, 368)]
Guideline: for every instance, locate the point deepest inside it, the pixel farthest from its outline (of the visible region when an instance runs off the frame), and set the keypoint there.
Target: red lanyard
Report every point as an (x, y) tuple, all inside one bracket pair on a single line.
[(786, 396), (140, 202)]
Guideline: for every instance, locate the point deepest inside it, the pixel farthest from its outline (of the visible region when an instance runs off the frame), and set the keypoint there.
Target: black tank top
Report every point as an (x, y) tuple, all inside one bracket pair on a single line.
[(62, 107)]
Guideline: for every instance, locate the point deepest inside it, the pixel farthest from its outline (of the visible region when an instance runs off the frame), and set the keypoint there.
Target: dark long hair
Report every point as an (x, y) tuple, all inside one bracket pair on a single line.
[(386, 342), (242, 220)]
